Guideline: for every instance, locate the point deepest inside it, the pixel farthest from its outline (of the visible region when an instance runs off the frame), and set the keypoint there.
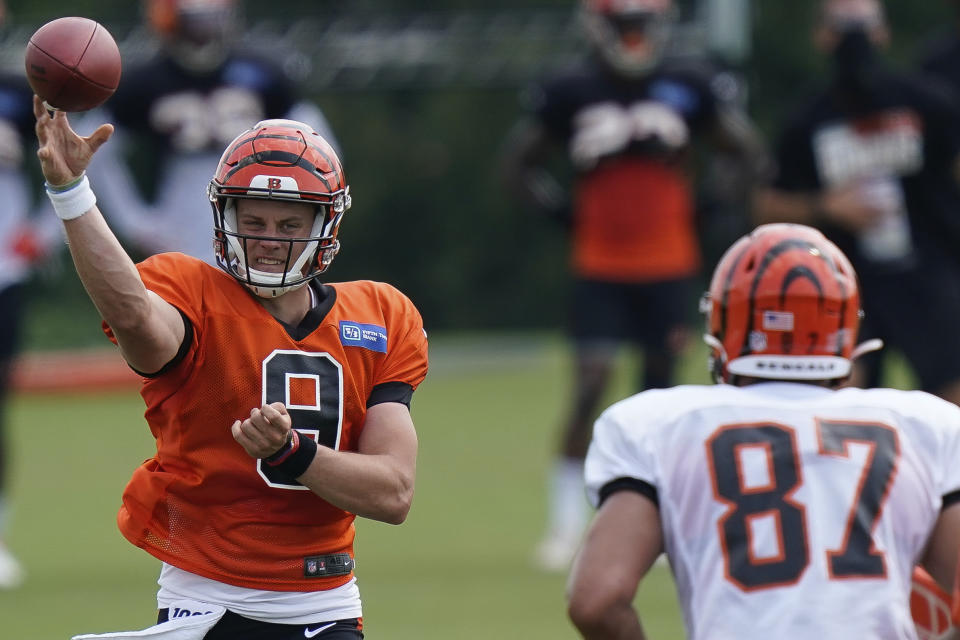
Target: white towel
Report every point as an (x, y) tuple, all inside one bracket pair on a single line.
[(187, 627)]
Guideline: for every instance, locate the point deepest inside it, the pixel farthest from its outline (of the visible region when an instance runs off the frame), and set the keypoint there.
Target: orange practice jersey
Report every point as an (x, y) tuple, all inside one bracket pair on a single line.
[(634, 223), (202, 503)]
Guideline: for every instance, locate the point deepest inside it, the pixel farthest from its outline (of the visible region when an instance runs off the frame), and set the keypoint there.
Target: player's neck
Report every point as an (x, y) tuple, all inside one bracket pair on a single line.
[(290, 307)]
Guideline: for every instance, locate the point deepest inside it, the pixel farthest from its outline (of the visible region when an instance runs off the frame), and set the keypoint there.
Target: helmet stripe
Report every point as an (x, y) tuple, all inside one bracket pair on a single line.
[(728, 281), (772, 254), (275, 136), (793, 274), (282, 158)]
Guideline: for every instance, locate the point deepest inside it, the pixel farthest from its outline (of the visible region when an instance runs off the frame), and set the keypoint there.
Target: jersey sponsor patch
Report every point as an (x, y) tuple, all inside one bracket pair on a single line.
[(368, 336), (678, 95)]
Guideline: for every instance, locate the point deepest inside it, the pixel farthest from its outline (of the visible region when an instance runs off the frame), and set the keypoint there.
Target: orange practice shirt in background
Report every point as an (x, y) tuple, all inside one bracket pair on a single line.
[(634, 222)]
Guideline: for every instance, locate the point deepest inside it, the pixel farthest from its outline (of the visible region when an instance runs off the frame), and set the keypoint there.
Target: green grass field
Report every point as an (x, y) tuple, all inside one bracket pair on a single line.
[(458, 568)]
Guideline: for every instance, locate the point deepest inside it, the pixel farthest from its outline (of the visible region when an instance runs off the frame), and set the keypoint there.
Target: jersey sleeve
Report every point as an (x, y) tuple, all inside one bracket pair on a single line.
[(716, 92), (406, 360), (950, 451), (260, 74), (175, 278), (619, 455), (549, 104), (940, 105)]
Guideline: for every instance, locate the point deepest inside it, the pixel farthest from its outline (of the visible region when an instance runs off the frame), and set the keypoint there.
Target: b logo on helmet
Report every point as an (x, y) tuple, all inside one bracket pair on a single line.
[(276, 183)]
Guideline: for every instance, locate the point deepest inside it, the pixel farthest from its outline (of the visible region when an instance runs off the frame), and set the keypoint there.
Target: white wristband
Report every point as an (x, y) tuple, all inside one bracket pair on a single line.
[(74, 202)]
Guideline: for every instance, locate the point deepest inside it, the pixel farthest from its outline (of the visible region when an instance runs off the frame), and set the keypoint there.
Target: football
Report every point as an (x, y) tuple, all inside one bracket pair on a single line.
[(73, 64), (930, 607)]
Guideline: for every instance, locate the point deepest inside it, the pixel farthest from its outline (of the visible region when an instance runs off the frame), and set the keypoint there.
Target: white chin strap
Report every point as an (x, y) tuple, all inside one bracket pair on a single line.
[(785, 367)]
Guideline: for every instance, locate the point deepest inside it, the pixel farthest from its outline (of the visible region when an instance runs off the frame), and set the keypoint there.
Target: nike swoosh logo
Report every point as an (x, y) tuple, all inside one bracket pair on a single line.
[(309, 633)]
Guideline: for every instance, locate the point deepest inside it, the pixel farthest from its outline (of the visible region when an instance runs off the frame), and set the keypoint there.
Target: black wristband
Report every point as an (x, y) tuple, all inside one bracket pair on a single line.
[(291, 444), (295, 464)]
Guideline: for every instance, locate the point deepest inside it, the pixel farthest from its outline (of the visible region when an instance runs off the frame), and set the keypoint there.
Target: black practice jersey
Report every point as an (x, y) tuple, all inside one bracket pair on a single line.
[(903, 144), (599, 115), (172, 126), (942, 58), (16, 119), (188, 112), (632, 202)]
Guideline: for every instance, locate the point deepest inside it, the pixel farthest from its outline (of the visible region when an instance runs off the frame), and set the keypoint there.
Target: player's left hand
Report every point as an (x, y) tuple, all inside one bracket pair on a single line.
[(264, 432)]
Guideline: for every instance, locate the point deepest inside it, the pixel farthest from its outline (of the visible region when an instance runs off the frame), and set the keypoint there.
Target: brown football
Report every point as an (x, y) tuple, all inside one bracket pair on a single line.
[(73, 63)]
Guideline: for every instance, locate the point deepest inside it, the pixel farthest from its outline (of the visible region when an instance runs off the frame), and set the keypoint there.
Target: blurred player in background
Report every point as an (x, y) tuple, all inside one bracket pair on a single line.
[(788, 506), (873, 161), (941, 55), (625, 120), (24, 240), (17, 250), (175, 112), (280, 405)]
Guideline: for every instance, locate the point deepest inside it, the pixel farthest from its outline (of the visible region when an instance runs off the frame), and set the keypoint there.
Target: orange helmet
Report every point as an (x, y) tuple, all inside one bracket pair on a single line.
[(288, 161), (629, 35), (783, 304), (197, 33)]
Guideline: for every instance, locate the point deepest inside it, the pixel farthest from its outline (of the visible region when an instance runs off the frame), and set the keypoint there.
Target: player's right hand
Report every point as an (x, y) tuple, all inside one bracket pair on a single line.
[(64, 155), (265, 431)]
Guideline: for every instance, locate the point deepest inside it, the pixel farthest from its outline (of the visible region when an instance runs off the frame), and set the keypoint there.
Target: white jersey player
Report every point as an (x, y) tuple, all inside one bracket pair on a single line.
[(789, 508)]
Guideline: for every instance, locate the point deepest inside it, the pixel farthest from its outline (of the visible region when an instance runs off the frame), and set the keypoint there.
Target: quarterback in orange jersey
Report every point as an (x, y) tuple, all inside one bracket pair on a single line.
[(280, 405)]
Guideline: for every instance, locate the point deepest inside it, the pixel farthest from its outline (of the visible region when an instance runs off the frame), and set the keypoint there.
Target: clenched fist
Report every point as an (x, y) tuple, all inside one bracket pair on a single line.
[(265, 431)]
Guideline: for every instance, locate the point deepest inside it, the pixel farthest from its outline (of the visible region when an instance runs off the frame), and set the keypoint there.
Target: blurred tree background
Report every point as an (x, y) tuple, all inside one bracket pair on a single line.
[(422, 96)]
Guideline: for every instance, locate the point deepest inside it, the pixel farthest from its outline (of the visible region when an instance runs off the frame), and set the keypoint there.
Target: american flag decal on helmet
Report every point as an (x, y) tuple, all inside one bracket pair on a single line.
[(777, 321)]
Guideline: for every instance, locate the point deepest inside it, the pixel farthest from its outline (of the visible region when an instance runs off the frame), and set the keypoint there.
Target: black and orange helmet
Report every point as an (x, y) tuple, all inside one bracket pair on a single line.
[(175, 18), (629, 35), (198, 34), (281, 160), (783, 304)]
